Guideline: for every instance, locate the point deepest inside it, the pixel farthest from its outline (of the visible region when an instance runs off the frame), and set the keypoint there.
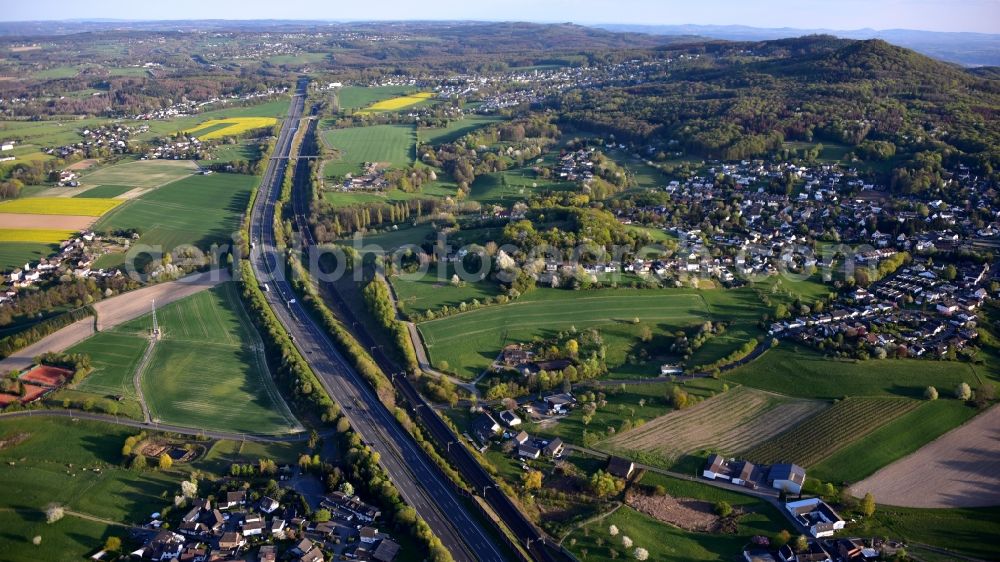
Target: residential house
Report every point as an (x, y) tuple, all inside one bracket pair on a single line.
[(787, 477), (815, 515), (386, 551), (368, 535), (268, 505), (510, 418), (234, 499), (621, 468), (528, 450), (314, 555), (554, 448), (231, 541), (484, 428)]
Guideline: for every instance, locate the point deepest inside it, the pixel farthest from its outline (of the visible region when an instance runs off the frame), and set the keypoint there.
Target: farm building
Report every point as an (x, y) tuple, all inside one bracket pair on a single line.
[(741, 473), (510, 418), (621, 468), (816, 516), (787, 477)]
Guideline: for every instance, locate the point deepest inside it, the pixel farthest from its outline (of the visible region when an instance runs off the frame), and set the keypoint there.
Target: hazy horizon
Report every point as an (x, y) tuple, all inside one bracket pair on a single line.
[(980, 16)]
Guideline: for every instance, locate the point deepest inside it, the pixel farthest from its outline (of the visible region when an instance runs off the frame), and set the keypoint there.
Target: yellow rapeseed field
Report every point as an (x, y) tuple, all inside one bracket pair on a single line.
[(42, 235), (217, 128), (79, 206), (393, 104)]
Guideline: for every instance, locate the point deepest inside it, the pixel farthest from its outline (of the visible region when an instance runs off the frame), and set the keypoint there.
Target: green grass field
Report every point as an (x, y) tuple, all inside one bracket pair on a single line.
[(625, 405), (235, 152), (16, 254), (140, 173), (431, 291), (104, 191), (973, 532), (470, 341), (488, 188), (893, 441), (56, 463), (114, 356), (69, 540), (198, 210), (209, 370), (798, 371), (666, 542), (456, 129), (390, 144), (356, 97), (47, 133), (829, 431)]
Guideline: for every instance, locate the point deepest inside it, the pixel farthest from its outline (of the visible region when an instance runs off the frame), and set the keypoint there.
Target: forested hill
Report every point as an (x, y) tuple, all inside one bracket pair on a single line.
[(737, 100)]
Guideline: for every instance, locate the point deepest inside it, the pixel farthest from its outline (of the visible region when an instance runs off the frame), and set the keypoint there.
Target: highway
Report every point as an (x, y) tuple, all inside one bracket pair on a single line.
[(538, 545), (420, 482)]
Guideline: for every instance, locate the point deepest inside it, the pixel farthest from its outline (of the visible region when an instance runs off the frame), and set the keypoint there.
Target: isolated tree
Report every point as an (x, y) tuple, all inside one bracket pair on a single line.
[(532, 480), (641, 554), (347, 488), (138, 462), (723, 509), (868, 505), (931, 393), (36, 540), (165, 462), (782, 538), (54, 512), (963, 391), (626, 541), (801, 543), (613, 530), (113, 544)]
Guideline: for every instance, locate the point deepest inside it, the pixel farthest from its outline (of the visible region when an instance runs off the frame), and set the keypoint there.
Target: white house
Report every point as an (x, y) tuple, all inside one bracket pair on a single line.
[(816, 516)]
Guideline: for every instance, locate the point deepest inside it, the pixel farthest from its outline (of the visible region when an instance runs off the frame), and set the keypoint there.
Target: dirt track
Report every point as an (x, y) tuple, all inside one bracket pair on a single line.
[(959, 469), (122, 308), (114, 311)]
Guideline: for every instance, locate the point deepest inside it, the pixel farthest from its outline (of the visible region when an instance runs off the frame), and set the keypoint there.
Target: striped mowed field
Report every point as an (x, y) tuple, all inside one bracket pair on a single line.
[(470, 341), (728, 423), (208, 369)]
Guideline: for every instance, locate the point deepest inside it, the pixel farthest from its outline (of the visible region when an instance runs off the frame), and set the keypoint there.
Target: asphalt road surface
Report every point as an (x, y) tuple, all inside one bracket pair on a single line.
[(419, 480)]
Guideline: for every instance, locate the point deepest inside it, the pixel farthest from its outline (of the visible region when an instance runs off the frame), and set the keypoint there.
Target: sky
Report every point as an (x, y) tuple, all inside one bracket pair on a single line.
[(933, 15)]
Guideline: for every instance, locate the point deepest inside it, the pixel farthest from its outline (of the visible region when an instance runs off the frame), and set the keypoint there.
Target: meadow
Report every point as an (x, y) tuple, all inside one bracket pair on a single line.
[(666, 542), (56, 463), (431, 292), (799, 371), (455, 129), (489, 188), (16, 254), (635, 404), (827, 432), (140, 173), (209, 370), (59, 206), (197, 210), (114, 357), (389, 144), (470, 341), (219, 128), (104, 191)]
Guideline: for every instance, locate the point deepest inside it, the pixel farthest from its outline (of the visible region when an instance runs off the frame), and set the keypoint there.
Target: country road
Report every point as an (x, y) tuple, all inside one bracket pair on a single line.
[(114, 311)]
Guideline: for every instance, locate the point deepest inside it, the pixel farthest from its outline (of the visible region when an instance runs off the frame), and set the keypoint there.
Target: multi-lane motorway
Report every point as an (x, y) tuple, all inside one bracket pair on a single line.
[(420, 482), (527, 534)]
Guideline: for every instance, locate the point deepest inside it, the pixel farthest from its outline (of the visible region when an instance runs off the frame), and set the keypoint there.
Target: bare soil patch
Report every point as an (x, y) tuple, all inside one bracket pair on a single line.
[(82, 164), (46, 375), (58, 222), (14, 439), (959, 469), (688, 514)]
